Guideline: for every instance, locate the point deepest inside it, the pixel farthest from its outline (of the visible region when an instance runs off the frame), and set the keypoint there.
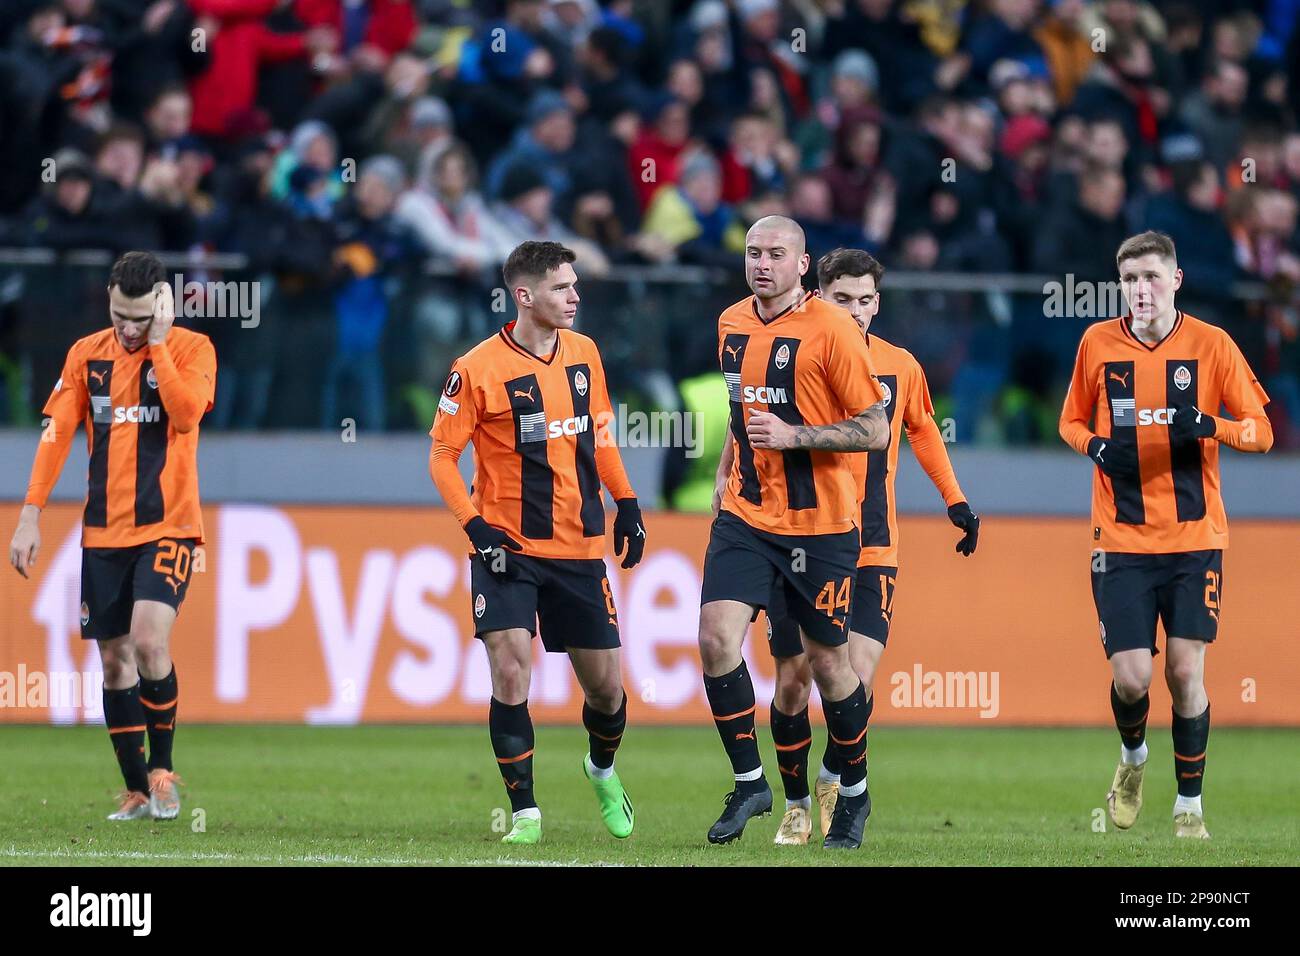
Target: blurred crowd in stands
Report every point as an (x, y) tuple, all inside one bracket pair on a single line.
[(344, 146)]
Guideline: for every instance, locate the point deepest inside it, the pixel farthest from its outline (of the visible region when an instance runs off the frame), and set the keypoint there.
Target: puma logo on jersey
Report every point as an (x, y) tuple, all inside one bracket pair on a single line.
[(733, 350), (1122, 379), (528, 394), (765, 394), (97, 375)]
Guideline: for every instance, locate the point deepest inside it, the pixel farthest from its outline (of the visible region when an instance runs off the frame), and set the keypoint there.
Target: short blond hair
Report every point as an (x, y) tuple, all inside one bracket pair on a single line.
[(1146, 243)]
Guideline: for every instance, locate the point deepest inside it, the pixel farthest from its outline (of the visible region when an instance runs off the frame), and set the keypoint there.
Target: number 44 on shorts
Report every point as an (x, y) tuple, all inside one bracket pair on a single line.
[(831, 599)]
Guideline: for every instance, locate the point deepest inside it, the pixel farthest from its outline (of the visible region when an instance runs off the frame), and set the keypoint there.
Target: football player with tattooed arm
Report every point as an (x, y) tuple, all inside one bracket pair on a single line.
[(804, 404)]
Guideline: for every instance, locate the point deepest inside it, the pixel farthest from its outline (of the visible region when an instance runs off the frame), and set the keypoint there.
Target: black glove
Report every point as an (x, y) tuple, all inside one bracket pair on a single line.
[(1190, 424), (1118, 458), (488, 540), (629, 532), (961, 515)]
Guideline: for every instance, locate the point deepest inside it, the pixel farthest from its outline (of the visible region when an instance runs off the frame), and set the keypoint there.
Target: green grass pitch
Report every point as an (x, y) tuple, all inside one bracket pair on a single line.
[(431, 795)]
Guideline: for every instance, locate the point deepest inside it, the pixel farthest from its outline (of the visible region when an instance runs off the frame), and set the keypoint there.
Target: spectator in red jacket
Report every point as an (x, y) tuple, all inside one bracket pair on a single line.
[(378, 27), (653, 159), (239, 42)]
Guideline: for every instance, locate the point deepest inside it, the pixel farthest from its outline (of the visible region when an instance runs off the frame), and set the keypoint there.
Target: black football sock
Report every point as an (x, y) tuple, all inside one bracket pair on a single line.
[(1191, 738), (846, 722), (512, 741), (830, 758), (792, 735), (1130, 719), (124, 716), (604, 732), (158, 698), (731, 698)]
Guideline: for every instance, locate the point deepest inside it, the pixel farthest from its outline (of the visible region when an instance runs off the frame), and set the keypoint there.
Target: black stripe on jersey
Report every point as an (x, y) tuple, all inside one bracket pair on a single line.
[(99, 383), (1121, 392), (800, 489), (150, 452), (875, 503), (733, 355), (593, 510), (1181, 382), (536, 480)]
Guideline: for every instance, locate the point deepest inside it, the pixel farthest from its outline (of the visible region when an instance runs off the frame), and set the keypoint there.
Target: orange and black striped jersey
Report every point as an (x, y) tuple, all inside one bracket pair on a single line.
[(907, 405), (141, 410), (808, 366), (1132, 389), (542, 443)]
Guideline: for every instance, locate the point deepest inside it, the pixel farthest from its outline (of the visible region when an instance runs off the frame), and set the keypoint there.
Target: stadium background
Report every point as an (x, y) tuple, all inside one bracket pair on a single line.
[(364, 167)]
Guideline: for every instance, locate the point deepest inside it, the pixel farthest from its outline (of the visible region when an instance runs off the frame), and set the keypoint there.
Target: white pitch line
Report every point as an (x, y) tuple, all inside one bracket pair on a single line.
[(315, 858)]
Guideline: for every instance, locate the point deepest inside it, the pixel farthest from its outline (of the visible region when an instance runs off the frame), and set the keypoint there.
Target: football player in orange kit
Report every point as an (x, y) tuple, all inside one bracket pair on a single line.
[(1153, 382), (850, 278), (140, 388), (533, 400), (804, 404)]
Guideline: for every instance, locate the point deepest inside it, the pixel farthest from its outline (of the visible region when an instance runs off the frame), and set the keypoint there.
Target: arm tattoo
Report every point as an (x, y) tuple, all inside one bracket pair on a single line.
[(866, 432)]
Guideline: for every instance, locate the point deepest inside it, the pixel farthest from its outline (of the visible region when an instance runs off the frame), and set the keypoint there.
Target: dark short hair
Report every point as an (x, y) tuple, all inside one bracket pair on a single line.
[(121, 130), (532, 260), (848, 262), (136, 274)]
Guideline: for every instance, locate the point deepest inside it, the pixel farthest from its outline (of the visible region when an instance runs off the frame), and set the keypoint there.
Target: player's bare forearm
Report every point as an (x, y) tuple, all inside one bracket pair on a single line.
[(868, 431)]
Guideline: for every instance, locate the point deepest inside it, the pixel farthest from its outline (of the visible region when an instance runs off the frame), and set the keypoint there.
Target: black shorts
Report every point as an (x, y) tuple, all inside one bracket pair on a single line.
[(1132, 590), (569, 600), (113, 579), (873, 610), (815, 573)]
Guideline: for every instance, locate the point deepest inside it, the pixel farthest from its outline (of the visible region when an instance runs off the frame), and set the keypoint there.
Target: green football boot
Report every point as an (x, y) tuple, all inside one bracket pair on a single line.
[(526, 832), (615, 807)]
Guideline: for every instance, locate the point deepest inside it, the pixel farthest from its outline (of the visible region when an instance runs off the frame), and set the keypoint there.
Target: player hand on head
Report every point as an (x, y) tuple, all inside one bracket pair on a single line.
[(961, 516), (629, 532), (1191, 424), (1116, 457), (488, 540), (164, 314), (765, 430)]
